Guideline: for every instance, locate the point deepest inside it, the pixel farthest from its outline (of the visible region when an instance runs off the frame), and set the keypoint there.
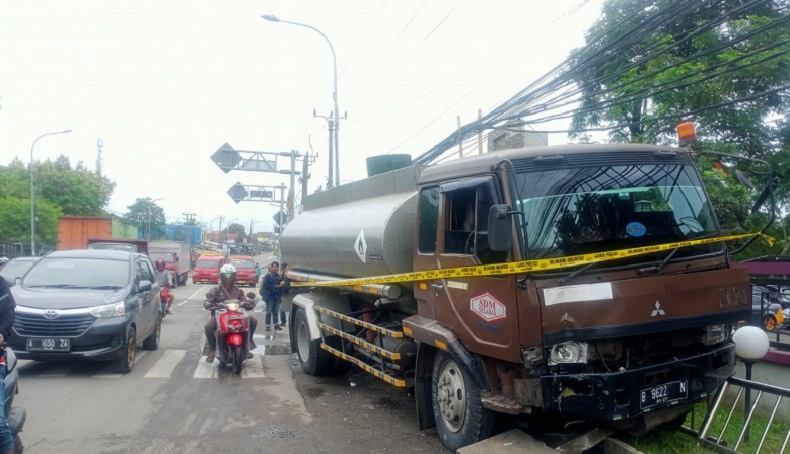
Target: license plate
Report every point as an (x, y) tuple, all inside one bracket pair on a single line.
[(668, 392), (48, 344)]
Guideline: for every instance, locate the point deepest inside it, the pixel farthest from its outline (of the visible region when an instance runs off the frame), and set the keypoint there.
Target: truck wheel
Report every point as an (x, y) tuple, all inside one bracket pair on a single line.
[(124, 364), (313, 359), (457, 408)]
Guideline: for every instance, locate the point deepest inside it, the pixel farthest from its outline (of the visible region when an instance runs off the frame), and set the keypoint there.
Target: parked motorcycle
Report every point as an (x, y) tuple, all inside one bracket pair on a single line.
[(14, 415), (233, 343)]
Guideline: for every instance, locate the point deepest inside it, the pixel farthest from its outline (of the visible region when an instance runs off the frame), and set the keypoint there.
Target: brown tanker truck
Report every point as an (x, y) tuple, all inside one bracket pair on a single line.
[(631, 342)]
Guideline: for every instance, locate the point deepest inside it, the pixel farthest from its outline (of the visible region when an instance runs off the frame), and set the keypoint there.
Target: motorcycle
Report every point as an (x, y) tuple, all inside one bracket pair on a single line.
[(233, 343), (15, 416), (163, 295)]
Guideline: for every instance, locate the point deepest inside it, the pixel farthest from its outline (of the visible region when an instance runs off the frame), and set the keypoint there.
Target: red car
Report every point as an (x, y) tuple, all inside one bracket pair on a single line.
[(207, 269), (245, 269)]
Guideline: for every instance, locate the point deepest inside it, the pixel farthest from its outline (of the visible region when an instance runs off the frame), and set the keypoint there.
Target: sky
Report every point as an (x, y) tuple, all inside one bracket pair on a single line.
[(165, 84)]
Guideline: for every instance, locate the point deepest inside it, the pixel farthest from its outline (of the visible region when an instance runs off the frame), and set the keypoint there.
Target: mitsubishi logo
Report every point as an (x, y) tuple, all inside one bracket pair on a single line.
[(658, 310), (50, 314)]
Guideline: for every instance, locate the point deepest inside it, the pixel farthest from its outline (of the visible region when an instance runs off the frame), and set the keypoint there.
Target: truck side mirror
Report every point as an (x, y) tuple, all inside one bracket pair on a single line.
[(499, 228)]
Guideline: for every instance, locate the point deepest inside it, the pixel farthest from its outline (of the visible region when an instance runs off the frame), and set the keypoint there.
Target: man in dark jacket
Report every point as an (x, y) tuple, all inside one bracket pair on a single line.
[(272, 293), (7, 316)]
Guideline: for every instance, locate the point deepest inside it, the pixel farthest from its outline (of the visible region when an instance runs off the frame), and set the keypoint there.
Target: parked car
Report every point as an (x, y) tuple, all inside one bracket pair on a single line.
[(245, 269), (16, 268), (87, 305), (768, 307)]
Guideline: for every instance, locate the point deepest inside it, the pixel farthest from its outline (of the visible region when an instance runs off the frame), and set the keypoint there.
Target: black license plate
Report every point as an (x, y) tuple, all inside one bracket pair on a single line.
[(661, 394), (48, 344)]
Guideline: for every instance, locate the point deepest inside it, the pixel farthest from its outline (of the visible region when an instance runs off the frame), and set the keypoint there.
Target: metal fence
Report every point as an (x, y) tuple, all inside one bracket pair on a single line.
[(732, 428)]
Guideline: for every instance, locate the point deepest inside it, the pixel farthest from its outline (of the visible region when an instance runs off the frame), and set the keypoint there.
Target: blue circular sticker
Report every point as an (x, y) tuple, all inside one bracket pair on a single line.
[(635, 229)]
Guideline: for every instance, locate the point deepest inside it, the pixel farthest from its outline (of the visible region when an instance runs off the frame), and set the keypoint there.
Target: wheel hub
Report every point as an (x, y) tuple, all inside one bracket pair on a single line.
[(451, 396)]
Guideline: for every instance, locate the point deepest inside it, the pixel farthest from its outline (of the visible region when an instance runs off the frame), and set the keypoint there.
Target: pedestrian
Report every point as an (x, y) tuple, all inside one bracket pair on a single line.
[(272, 293), (257, 270), (7, 315)]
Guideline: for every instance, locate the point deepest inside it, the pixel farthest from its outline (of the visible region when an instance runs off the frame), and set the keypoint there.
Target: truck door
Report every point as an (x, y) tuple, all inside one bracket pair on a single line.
[(481, 311)]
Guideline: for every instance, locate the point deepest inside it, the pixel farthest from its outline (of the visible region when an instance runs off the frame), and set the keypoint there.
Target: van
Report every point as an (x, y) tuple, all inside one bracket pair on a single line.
[(245, 270), (207, 269)]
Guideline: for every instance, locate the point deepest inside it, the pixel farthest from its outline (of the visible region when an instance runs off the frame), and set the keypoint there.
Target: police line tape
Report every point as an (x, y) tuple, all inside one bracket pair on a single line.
[(520, 267)]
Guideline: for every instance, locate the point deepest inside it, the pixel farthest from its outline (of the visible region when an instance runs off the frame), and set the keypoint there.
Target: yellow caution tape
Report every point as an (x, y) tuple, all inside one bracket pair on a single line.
[(523, 266)]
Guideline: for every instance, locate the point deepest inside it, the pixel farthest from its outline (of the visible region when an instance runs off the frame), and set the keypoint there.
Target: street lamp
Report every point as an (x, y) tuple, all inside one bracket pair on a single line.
[(273, 18), (32, 211), (211, 229), (148, 211), (751, 345)]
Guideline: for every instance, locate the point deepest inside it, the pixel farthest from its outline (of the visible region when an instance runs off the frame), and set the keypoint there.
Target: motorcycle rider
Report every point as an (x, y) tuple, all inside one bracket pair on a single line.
[(7, 316), (227, 290), (163, 277)]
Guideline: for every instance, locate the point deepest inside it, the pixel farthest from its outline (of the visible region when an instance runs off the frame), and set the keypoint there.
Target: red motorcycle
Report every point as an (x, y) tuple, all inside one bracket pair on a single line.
[(232, 335), (163, 296)]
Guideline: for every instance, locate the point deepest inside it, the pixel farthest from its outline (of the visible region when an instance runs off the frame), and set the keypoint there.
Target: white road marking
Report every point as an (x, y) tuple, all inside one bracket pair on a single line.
[(253, 368), (164, 367), (206, 370), (139, 355), (107, 375), (193, 295)]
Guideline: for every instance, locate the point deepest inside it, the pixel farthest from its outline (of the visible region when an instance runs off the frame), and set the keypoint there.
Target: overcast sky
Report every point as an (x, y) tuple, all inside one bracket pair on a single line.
[(165, 84)]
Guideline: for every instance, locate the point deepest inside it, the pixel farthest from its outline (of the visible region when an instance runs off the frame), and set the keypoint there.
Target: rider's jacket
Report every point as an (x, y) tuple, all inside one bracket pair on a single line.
[(164, 278), (220, 294)]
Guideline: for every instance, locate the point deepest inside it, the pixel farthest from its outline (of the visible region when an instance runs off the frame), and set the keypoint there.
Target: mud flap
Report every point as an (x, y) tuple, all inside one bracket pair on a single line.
[(422, 386)]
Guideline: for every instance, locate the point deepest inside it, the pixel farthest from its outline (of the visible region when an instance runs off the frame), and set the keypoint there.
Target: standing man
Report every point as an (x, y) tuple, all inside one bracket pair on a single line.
[(7, 315), (285, 290), (272, 293)]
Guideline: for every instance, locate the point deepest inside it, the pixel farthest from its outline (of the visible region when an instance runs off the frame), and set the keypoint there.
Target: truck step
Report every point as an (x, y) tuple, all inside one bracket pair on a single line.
[(358, 322), (377, 373), (364, 344)]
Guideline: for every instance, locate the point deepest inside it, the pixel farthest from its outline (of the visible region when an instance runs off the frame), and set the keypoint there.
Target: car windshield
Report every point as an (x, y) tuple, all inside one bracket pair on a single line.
[(77, 272), (243, 263), (594, 209), (15, 269), (205, 263), (167, 257)]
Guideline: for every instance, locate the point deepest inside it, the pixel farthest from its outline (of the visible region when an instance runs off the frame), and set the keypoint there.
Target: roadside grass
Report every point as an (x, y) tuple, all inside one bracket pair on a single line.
[(671, 441)]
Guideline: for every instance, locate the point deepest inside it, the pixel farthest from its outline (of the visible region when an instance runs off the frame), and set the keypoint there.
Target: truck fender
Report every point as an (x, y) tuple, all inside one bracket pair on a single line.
[(334, 302)]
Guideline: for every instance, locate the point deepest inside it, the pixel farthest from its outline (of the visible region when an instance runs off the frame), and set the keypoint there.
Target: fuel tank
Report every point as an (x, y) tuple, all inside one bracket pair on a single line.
[(361, 229)]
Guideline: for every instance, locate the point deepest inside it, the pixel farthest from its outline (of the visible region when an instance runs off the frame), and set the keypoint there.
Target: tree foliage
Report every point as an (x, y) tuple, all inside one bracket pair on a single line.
[(146, 214), (59, 189), (643, 93), (15, 222)]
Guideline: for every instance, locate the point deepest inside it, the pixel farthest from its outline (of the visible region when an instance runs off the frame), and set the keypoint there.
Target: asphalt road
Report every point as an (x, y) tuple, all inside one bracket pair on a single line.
[(173, 402)]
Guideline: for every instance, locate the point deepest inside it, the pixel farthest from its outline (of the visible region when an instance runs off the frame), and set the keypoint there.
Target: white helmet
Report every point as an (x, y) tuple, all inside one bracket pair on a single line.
[(227, 273)]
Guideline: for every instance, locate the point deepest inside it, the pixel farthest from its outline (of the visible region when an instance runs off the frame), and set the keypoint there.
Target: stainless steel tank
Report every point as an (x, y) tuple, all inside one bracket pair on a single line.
[(360, 229)]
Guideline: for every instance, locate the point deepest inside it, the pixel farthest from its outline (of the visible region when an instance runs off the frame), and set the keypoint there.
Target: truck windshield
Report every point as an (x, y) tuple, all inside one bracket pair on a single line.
[(243, 263), (583, 210)]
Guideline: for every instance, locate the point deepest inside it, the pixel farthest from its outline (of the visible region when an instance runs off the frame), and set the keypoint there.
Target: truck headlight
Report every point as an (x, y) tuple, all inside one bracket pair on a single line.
[(715, 334), (110, 310), (568, 353)]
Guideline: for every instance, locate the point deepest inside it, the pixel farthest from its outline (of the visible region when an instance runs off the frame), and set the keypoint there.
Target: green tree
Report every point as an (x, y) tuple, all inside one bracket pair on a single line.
[(15, 222), (238, 229), (146, 214)]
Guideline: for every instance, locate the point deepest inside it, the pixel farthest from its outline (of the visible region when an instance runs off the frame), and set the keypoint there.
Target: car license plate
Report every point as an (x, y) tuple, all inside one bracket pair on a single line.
[(48, 344), (668, 392)]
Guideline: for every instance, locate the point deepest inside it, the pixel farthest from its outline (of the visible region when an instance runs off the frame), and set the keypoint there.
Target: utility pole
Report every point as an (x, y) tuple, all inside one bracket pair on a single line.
[(220, 230), (189, 218), (99, 144), (308, 159)]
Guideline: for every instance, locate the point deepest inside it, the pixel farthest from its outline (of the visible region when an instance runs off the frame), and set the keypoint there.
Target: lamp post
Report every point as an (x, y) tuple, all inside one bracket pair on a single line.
[(273, 18), (211, 228), (32, 210), (751, 345), (148, 212), (226, 236)]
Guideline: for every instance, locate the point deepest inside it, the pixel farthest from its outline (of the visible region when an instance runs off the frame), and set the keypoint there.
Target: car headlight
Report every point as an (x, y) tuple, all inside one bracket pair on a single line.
[(110, 310), (568, 353)]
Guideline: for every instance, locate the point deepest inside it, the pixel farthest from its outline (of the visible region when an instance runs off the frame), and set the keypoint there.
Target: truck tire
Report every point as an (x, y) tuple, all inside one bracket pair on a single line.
[(312, 358), (458, 411)]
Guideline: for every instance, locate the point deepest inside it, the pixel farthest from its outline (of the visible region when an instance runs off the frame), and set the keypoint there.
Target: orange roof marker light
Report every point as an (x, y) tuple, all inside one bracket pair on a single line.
[(686, 134)]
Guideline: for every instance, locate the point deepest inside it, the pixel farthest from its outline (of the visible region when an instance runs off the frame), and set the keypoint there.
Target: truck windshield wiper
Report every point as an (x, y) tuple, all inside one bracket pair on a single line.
[(669, 256), (577, 272)]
